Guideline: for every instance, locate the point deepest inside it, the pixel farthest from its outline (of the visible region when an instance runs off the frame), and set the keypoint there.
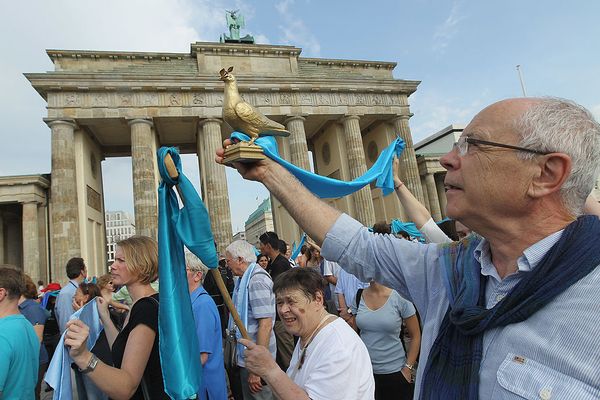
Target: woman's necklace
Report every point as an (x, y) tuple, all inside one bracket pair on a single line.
[(309, 341)]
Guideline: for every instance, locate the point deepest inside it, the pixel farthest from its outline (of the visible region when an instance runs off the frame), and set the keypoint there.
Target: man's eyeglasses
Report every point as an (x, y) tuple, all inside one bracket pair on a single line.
[(462, 146)]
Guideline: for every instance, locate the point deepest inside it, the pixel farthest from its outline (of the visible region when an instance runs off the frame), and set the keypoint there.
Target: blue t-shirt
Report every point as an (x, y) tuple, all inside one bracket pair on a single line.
[(37, 315), (208, 328), (20, 350), (380, 331)]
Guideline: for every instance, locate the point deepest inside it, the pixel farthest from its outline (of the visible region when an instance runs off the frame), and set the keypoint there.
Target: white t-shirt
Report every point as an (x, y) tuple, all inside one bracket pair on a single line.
[(433, 233), (336, 365)]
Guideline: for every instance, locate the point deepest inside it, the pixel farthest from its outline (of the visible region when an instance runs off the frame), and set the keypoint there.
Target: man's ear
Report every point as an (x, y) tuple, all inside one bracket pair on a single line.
[(554, 169)]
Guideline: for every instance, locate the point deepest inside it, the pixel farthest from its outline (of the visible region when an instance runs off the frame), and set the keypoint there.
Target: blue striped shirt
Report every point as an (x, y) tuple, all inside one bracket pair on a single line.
[(261, 304), (552, 354)]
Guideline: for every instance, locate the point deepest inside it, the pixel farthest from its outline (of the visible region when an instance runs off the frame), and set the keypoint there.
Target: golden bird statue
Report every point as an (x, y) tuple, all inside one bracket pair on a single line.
[(242, 117)]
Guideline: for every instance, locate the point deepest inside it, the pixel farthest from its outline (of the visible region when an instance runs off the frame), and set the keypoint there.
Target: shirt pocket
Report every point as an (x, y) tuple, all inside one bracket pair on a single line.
[(522, 377)]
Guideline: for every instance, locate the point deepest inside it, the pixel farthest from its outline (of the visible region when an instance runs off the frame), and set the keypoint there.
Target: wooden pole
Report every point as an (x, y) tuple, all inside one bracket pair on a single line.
[(214, 271)]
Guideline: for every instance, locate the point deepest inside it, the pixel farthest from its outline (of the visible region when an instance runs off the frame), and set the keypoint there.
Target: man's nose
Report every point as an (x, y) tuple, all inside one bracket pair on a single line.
[(450, 160)]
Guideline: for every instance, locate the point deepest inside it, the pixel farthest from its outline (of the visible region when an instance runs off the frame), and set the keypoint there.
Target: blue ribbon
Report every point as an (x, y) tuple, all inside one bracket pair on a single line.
[(178, 344), (325, 187), (296, 249)]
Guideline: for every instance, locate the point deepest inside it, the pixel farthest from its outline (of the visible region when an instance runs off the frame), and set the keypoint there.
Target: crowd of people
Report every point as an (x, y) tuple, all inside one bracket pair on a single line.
[(500, 306)]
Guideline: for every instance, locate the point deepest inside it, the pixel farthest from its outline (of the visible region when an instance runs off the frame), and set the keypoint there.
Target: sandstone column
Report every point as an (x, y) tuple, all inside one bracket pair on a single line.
[(441, 192), (217, 197), (31, 246), (297, 139), (434, 203), (63, 199), (408, 162), (363, 201), (145, 197)]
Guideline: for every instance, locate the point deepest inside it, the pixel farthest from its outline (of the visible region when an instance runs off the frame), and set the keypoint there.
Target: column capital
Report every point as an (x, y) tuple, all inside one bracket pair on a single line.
[(350, 117), (402, 117), (211, 121), (291, 118), (135, 121), (53, 122)]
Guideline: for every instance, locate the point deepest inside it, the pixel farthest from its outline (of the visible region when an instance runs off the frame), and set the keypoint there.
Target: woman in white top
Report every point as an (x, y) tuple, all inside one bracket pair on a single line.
[(330, 362)]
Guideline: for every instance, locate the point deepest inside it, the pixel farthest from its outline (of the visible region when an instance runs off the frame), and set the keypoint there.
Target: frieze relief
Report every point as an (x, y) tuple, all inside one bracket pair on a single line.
[(215, 99)]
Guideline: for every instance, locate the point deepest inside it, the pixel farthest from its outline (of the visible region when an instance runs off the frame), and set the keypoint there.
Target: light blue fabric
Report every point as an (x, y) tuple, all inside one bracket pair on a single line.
[(410, 227), (296, 249), (325, 187), (178, 345), (58, 375), (240, 300)]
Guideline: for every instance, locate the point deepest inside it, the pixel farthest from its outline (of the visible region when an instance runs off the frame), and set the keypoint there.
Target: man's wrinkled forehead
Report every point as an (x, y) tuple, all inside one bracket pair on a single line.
[(498, 120)]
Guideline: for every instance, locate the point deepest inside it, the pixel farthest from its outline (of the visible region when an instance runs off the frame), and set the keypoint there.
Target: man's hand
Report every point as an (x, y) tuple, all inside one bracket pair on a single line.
[(255, 171)]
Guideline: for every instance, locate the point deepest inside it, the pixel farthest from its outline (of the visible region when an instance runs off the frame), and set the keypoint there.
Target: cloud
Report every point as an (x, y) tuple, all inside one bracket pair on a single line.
[(445, 32), (596, 111), (434, 111), (295, 32)]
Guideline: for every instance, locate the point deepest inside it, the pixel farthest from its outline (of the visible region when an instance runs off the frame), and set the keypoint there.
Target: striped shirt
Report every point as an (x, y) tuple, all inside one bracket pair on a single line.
[(261, 304), (552, 354)]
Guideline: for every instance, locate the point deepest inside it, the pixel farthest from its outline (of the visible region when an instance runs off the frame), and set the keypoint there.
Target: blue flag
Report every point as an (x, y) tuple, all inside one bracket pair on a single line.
[(178, 342)]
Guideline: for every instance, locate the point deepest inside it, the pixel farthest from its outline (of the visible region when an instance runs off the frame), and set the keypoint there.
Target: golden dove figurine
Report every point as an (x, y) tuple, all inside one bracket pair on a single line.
[(242, 117)]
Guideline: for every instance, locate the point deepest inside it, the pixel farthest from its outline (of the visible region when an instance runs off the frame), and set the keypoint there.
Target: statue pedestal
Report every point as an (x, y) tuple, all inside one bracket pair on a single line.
[(243, 152)]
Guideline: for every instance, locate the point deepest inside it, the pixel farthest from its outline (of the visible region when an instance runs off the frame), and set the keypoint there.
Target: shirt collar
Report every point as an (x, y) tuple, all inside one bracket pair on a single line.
[(526, 262)]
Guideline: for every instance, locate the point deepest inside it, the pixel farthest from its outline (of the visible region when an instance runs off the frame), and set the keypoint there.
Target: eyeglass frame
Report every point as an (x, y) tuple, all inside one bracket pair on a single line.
[(469, 140)]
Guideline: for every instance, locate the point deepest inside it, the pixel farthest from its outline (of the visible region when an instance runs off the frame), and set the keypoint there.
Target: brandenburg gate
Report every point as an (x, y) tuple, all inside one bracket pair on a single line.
[(112, 104)]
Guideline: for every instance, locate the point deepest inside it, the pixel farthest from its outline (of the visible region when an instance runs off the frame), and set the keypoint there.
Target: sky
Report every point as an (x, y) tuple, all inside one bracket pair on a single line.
[(464, 53)]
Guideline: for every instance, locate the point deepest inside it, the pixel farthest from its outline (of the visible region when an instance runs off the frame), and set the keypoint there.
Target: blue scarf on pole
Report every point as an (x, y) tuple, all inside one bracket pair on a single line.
[(325, 187), (178, 344), (452, 370)]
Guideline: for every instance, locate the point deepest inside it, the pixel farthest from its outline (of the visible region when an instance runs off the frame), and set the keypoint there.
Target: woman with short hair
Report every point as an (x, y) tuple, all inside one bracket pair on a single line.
[(329, 361), (135, 354)]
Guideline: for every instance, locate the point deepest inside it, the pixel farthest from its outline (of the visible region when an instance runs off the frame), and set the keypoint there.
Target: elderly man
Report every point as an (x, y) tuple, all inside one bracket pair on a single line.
[(19, 345), (208, 329), (510, 313), (254, 299)]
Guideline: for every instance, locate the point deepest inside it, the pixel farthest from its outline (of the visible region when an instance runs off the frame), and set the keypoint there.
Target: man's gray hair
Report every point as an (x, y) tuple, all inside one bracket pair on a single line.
[(243, 250), (194, 264), (562, 126)]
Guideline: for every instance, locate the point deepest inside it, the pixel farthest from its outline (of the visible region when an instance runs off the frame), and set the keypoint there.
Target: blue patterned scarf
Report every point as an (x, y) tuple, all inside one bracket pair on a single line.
[(452, 370)]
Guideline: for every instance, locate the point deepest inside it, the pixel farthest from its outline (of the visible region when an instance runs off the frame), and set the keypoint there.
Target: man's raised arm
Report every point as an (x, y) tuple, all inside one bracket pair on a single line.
[(313, 215)]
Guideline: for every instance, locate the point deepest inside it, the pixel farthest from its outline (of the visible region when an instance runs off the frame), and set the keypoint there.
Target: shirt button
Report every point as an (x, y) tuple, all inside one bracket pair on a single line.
[(545, 393), (499, 297)]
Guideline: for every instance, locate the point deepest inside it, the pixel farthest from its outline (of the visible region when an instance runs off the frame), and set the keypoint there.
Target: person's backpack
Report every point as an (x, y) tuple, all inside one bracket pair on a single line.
[(51, 331)]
